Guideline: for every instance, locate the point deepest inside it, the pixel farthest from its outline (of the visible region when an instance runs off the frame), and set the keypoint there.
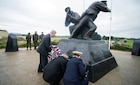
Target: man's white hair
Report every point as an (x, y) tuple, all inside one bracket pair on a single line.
[(53, 31)]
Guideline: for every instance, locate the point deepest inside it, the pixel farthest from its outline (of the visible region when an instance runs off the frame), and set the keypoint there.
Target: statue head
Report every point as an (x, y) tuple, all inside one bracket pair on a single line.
[(67, 9), (104, 1)]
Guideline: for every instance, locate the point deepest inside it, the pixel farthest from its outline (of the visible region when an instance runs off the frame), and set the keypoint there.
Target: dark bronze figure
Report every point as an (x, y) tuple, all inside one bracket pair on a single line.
[(71, 17), (85, 23)]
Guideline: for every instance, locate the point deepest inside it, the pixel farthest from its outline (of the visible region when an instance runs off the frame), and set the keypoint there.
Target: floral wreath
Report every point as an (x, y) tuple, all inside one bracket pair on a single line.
[(55, 52)]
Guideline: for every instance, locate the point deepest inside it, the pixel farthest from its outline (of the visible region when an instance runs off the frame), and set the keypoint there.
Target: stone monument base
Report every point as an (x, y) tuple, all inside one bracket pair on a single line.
[(99, 69), (96, 56)]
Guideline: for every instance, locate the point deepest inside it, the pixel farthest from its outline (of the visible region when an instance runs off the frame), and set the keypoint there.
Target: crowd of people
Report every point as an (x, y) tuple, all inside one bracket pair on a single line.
[(35, 38), (57, 66), (71, 71)]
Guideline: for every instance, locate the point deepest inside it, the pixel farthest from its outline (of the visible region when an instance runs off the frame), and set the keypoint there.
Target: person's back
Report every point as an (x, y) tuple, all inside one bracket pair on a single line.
[(43, 47), (75, 70), (54, 70)]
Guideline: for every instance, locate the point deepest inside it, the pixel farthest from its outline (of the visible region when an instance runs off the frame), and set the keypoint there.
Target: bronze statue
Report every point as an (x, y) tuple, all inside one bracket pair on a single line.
[(71, 17), (85, 22)]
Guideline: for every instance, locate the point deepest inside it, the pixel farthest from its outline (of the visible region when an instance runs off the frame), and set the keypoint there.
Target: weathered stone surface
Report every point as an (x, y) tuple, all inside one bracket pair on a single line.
[(96, 55), (136, 47), (12, 44), (93, 50)]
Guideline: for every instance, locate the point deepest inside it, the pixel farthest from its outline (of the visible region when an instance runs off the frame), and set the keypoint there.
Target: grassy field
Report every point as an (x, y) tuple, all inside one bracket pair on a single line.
[(119, 45), (128, 43), (3, 42), (22, 42), (123, 44), (58, 38)]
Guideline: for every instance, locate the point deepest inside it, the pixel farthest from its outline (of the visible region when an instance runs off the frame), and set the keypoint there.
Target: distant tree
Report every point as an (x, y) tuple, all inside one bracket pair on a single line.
[(105, 38), (112, 38)]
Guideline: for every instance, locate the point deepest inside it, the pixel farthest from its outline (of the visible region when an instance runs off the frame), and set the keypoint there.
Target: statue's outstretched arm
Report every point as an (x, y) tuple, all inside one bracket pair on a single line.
[(103, 7)]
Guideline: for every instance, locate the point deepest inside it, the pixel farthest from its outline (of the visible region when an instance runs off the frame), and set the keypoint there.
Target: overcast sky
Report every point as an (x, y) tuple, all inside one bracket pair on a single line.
[(23, 16)]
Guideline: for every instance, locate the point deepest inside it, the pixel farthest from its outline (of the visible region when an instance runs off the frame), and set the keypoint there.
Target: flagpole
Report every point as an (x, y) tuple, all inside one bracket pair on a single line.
[(110, 26), (83, 5)]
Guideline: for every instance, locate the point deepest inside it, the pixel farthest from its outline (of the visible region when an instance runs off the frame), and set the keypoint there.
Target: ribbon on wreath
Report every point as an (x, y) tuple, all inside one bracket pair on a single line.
[(55, 52)]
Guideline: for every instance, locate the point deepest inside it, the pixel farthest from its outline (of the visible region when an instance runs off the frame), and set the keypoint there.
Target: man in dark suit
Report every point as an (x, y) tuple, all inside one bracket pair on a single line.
[(54, 70), (88, 18), (75, 73), (44, 49)]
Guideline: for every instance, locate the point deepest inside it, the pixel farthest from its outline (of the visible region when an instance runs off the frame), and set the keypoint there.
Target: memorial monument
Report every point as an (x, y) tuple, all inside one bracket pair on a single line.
[(12, 45), (74, 17), (96, 55), (136, 47)]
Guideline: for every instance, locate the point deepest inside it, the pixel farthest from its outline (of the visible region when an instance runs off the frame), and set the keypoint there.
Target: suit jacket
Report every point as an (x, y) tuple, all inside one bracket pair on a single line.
[(44, 46), (74, 71), (55, 69), (96, 7)]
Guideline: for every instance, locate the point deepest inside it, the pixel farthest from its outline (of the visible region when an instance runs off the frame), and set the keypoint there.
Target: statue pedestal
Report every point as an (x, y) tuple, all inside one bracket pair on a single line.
[(96, 56)]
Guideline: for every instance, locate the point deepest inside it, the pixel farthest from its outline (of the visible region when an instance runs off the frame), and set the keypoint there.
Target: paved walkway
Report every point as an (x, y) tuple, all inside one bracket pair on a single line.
[(20, 68)]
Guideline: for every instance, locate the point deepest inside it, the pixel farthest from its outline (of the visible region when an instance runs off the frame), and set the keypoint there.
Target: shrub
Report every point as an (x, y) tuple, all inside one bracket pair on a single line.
[(22, 45), (54, 42), (119, 47)]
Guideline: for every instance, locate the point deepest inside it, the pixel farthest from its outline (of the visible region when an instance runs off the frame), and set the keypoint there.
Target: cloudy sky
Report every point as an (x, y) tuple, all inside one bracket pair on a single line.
[(23, 16)]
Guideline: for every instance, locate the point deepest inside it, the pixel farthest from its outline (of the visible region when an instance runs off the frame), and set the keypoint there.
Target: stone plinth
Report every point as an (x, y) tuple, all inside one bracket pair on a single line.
[(96, 56)]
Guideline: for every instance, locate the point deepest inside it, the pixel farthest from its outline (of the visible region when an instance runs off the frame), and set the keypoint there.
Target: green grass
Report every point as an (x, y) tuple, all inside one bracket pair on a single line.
[(128, 43), (55, 40), (3, 42), (127, 46), (124, 45), (22, 42)]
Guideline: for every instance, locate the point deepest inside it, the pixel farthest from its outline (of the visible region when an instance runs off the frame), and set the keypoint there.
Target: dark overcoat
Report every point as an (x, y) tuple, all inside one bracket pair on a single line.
[(54, 70), (74, 71), (44, 47)]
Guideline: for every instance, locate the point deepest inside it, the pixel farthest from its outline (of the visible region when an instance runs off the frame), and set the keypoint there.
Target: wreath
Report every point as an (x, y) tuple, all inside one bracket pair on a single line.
[(55, 52)]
